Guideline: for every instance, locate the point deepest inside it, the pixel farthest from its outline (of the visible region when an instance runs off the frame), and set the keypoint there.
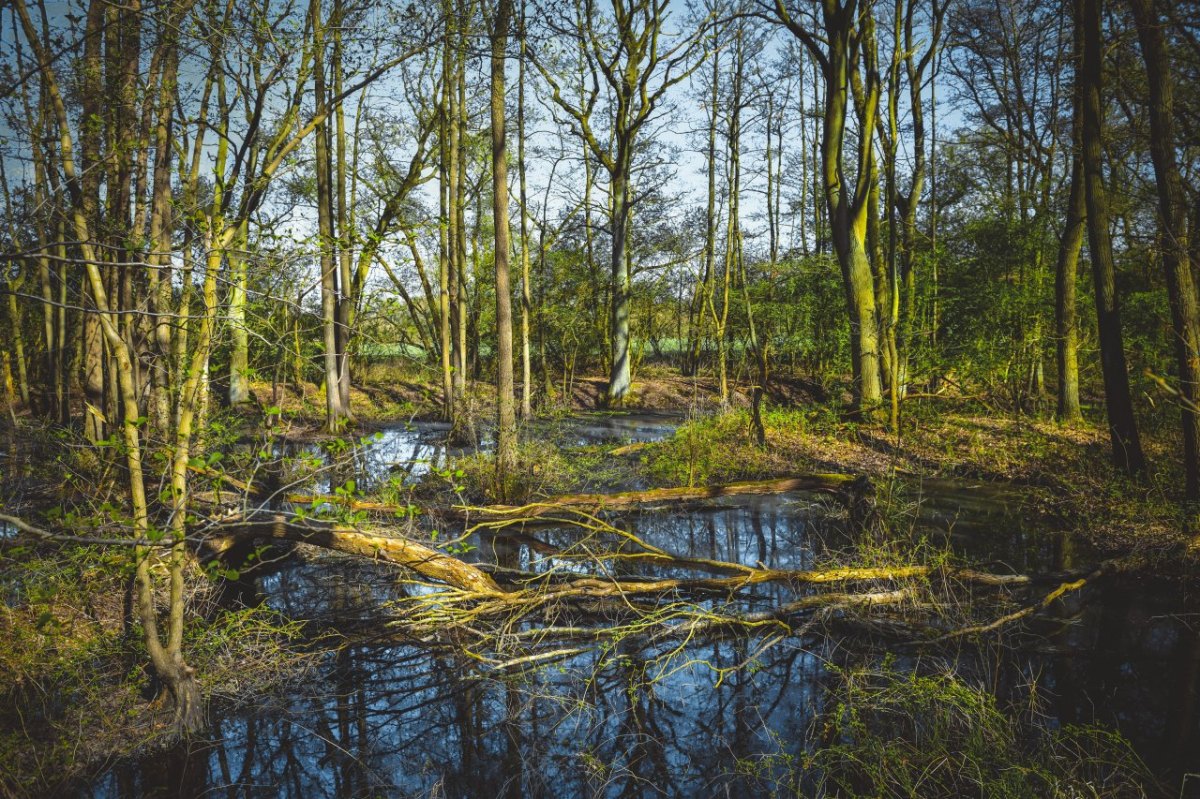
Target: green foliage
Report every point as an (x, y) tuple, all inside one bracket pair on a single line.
[(721, 448), (802, 315), (997, 299), (889, 732), (543, 469), (702, 451), (68, 693)]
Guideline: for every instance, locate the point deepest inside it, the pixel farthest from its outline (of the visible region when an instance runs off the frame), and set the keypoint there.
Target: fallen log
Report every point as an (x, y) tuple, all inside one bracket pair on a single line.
[(472, 584), (476, 581), (830, 483), (631, 499), (424, 560)]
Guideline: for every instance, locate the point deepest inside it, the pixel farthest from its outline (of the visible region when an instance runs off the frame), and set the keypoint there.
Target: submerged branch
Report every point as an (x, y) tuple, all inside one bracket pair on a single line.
[(1027, 611)]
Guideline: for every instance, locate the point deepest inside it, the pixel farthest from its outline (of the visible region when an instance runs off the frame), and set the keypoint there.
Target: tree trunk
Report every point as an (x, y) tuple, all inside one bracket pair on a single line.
[(1172, 218), (704, 286), (18, 337), (447, 293), (335, 411), (239, 353), (526, 294), (1126, 445), (506, 423), (1064, 295), (848, 205), (344, 222), (619, 381), (458, 209)]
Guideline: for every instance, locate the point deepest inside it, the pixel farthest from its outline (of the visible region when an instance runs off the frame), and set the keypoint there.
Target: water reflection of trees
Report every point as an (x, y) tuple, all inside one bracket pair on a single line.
[(388, 721), (387, 717)]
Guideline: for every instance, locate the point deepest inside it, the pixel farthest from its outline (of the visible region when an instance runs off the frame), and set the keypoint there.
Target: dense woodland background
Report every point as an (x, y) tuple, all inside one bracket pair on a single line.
[(290, 193), (209, 204)]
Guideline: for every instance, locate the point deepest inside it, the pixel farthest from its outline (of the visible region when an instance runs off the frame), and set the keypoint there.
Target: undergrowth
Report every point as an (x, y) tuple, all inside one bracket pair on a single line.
[(889, 732), (74, 687)]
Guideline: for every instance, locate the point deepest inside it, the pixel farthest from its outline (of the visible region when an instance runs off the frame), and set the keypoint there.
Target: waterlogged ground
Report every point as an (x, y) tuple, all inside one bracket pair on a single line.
[(409, 451), (733, 716)]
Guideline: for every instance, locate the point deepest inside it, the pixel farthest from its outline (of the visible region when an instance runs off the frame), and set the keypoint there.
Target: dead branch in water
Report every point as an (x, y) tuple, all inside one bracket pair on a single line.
[(424, 560), (1062, 590), (676, 624), (832, 482)]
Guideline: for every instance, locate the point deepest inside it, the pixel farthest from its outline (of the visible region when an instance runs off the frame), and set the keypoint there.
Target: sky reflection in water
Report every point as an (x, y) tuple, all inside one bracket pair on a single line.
[(382, 718)]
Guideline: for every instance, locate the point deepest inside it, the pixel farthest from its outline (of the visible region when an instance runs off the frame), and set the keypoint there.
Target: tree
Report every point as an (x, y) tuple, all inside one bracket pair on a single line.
[(1122, 427), (526, 294), (506, 423), (165, 648), (337, 413), (1173, 224), (1009, 59), (902, 207), (638, 69), (1070, 244), (845, 27)]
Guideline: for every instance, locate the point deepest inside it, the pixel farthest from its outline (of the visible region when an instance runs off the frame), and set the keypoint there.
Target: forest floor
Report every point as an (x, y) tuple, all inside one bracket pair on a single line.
[(1063, 473), (1060, 474)]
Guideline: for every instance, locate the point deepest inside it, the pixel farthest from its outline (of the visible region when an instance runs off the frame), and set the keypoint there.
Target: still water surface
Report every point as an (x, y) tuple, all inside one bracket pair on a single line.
[(382, 717)]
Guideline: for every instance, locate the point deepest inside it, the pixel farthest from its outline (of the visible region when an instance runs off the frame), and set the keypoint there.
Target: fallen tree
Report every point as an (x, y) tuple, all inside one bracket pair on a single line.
[(507, 618), (434, 564), (443, 568), (832, 483), (424, 560)]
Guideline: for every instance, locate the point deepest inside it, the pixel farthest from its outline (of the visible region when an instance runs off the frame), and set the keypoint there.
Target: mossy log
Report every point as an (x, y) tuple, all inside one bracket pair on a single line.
[(653, 496), (424, 560), (440, 567), (592, 503)]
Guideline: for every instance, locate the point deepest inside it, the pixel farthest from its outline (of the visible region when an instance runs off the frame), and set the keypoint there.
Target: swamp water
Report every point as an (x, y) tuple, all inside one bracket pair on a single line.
[(383, 717)]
